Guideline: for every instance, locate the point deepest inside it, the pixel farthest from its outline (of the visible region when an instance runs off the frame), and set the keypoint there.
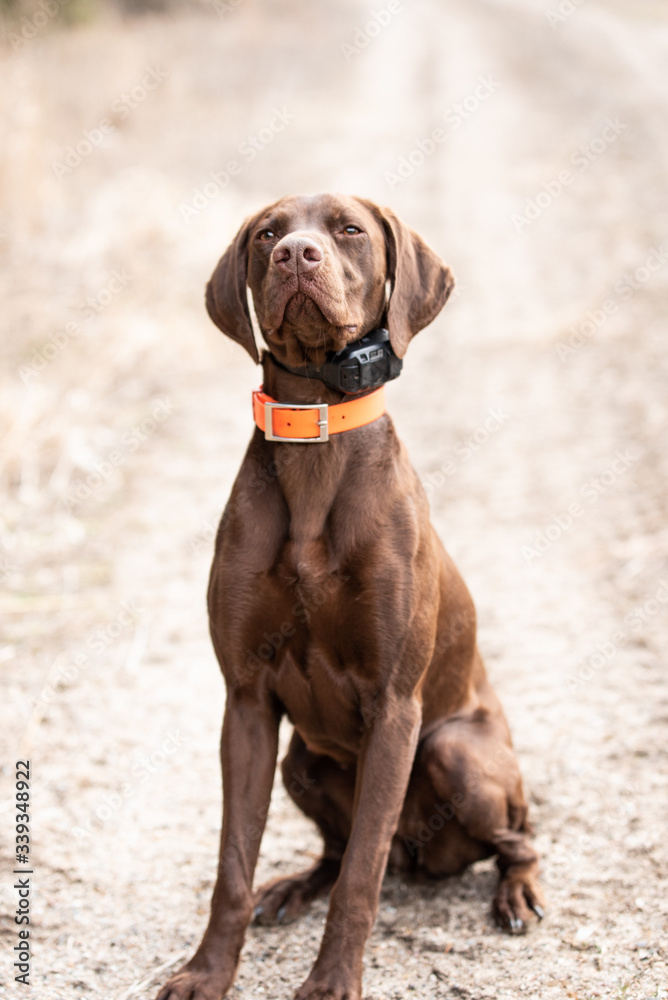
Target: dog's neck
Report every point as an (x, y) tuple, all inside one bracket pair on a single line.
[(286, 387), (336, 466)]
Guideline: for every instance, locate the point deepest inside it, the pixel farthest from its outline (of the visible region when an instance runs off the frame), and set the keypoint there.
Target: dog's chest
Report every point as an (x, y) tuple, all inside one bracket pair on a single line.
[(322, 703), (317, 657)]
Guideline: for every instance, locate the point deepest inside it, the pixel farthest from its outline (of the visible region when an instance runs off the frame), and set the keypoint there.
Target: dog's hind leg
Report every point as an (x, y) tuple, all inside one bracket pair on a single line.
[(473, 776), (324, 791)]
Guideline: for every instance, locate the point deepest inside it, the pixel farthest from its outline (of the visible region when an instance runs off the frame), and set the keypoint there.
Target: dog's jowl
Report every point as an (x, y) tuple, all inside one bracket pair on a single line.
[(333, 602)]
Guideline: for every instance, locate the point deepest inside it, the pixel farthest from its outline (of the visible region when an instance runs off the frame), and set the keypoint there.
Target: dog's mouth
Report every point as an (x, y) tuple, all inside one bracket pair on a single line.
[(302, 310), (312, 320), (312, 328), (308, 304)]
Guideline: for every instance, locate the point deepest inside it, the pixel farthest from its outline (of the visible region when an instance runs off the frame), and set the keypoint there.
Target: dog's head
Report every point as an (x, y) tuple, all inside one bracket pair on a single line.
[(317, 268)]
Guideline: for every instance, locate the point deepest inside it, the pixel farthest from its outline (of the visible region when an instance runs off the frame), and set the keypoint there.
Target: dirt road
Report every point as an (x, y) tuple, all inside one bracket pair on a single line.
[(528, 143)]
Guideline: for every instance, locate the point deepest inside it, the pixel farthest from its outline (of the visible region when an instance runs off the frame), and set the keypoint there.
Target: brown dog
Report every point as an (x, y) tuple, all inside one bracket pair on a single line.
[(332, 601)]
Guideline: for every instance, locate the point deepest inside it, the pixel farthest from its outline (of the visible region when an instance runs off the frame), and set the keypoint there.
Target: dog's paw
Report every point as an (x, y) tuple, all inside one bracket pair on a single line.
[(194, 984), (286, 899), (516, 898), (314, 990), (282, 902)]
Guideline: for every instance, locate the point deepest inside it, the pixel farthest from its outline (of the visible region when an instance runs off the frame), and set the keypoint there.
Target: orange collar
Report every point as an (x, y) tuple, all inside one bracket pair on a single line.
[(313, 423)]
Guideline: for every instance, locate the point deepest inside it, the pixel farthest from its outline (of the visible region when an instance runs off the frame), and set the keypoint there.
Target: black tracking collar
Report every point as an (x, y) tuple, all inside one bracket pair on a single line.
[(365, 364)]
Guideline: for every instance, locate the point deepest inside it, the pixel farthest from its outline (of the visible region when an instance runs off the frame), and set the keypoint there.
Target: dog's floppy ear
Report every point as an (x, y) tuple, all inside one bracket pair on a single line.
[(420, 282), (226, 300)]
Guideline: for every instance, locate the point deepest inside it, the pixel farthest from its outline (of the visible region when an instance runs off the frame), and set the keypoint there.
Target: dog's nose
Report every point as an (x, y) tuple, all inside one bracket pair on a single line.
[(297, 254)]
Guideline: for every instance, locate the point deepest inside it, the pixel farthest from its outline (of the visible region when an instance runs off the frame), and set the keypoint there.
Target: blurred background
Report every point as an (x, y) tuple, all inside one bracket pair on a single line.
[(527, 141)]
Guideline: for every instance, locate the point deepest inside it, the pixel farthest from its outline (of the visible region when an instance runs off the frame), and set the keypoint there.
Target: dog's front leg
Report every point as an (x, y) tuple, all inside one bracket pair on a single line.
[(384, 767), (248, 749)]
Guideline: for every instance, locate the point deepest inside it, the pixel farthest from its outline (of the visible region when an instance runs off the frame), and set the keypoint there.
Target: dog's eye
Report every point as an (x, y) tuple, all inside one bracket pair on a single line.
[(265, 235), (352, 230)]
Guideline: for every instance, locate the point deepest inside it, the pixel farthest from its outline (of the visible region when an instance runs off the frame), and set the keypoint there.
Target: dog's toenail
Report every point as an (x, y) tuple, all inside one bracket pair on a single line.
[(280, 914), (538, 910), (257, 912)]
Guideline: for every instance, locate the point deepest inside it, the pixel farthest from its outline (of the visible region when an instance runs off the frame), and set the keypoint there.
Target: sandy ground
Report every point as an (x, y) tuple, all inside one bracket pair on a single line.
[(546, 464)]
